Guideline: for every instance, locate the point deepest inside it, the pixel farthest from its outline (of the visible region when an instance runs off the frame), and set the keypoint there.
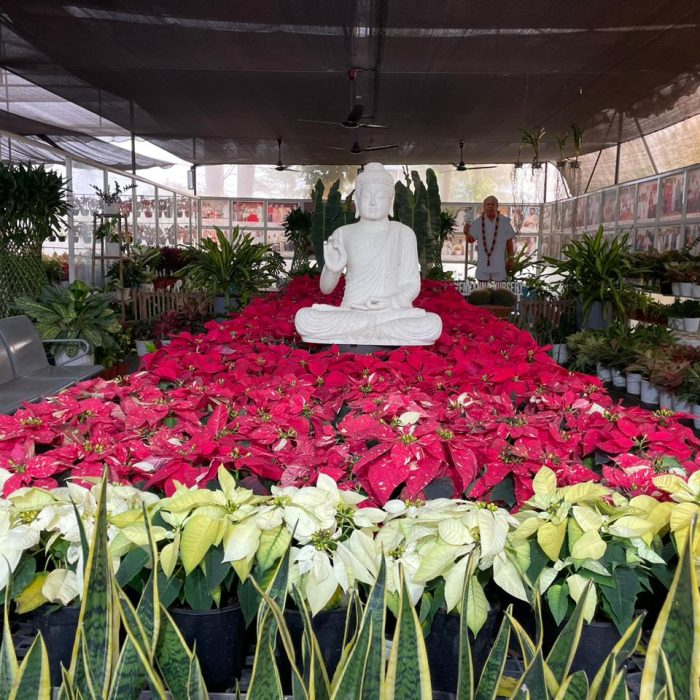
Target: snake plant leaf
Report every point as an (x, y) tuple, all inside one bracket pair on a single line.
[(677, 632), (8, 659), (361, 676), (67, 690), (277, 623), (618, 688), (574, 687), (527, 646), (532, 683), (173, 656), (616, 658), (465, 672), (564, 649), (315, 675), (265, 680), (408, 674), (134, 666), (195, 682), (496, 662), (97, 620), (33, 678)]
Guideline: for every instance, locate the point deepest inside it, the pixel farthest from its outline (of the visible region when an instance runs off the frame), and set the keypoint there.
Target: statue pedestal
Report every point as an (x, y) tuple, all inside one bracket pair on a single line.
[(367, 349)]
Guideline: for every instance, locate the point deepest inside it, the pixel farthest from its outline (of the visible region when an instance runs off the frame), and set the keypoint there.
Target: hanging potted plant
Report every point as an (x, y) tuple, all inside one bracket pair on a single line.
[(577, 139), (533, 139), (561, 145)]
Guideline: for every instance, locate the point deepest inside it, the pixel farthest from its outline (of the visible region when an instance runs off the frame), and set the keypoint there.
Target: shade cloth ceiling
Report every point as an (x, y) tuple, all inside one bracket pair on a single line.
[(219, 82)]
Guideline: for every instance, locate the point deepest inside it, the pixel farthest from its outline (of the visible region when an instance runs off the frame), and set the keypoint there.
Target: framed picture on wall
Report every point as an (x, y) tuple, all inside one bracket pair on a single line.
[(214, 212), (531, 220), (692, 238), (626, 200), (593, 209), (644, 238), (248, 212), (671, 198), (692, 193), (567, 217), (647, 198), (277, 212), (528, 243), (668, 238), (516, 217), (609, 206), (580, 212), (546, 218), (279, 243)]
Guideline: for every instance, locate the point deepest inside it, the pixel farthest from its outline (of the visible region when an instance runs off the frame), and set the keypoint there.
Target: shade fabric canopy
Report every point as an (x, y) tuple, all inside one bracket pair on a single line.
[(219, 82)]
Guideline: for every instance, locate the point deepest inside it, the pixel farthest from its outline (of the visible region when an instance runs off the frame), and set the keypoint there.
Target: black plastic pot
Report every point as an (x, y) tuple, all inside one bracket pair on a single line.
[(58, 629), (597, 641), (220, 638), (442, 647), (329, 628)]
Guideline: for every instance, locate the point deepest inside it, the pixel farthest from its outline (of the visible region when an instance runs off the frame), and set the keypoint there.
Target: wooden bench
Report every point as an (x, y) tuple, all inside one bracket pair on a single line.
[(25, 372)]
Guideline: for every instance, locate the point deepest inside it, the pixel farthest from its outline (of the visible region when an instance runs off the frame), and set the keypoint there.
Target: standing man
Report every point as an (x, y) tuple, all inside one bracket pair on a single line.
[(494, 236)]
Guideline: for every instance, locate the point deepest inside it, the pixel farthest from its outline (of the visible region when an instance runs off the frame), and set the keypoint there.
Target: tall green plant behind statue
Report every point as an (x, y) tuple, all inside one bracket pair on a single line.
[(328, 216), (32, 208), (419, 209)]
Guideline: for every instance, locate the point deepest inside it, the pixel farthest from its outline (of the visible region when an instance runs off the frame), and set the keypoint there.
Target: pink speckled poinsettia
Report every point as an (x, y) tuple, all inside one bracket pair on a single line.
[(482, 408)]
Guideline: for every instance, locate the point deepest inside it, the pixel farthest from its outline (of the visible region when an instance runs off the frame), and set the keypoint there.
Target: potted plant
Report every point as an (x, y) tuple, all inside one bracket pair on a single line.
[(136, 270), (297, 230), (586, 350), (76, 311), (171, 261), (235, 270), (689, 311), (33, 208), (188, 318), (689, 391), (593, 271), (111, 199), (533, 138)]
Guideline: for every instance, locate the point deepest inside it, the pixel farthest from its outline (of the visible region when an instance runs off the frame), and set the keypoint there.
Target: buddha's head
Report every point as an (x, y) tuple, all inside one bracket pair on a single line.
[(374, 193)]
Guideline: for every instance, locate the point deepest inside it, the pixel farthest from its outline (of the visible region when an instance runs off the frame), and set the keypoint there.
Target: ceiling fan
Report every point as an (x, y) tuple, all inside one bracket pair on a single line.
[(461, 166), (352, 121), (356, 148), (281, 167)]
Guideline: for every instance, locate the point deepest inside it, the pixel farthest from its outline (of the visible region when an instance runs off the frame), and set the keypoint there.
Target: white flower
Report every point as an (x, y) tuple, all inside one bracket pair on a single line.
[(14, 540)]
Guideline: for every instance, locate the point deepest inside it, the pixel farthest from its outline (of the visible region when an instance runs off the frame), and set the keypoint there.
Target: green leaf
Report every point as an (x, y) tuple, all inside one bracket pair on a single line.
[(532, 683), (575, 687), (131, 564), (558, 600), (273, 544), (362, 673), (677, 632), (33, 678), (315, 675), (408, 674), (564, 648), (495, 663), (173, 656), (168, 588), (465, 674), (622, 597), (97, 615), (197, 593), (8, 659)]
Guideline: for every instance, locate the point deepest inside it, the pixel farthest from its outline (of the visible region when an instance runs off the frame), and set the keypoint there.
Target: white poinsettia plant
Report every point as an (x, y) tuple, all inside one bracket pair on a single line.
[(42, 525), (587, 532)]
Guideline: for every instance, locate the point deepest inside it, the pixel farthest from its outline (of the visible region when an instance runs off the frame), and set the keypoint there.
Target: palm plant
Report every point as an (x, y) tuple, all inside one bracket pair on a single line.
[(297, 230), (237, 268), (533, 138), (594, 270)]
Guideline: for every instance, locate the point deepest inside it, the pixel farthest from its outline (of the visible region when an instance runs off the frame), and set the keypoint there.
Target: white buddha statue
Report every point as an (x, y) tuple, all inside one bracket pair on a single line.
[(382, 277)]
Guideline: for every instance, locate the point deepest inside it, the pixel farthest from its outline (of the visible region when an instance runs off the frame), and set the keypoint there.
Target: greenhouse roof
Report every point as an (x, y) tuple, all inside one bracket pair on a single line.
[(219, 82)]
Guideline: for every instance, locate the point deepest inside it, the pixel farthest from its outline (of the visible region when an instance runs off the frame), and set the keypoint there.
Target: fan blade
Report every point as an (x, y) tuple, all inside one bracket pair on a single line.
[(381, 148), (354, 117), (480, 167), (373, 126), (337, 148), (317, 121)]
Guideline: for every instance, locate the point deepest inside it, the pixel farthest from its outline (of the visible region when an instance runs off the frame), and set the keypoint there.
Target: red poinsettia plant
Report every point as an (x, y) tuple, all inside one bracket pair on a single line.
[(479, 413)]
